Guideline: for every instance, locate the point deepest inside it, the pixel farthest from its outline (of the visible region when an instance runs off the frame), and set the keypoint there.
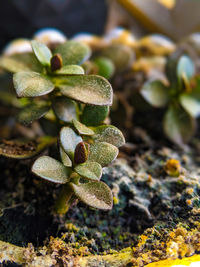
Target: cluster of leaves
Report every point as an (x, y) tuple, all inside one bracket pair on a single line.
[(55, 84), (181, 96)]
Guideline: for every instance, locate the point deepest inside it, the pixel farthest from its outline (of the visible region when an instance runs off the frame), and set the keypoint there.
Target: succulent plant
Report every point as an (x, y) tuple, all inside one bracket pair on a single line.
[(53, 82), (180, 94)]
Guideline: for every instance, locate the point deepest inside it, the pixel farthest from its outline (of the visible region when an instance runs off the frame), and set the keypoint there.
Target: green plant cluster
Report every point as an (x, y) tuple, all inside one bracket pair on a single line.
[(55, 85)]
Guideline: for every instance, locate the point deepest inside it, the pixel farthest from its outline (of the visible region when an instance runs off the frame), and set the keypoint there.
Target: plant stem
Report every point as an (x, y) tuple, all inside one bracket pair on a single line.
[(64, 200)]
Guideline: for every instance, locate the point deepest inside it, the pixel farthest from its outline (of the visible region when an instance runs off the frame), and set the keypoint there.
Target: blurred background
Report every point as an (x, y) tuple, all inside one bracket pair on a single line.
[(23, 18)]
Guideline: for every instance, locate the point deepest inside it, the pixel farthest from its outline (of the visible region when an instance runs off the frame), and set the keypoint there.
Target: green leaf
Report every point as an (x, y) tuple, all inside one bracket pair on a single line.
[(65, 158), (95, 194), (51, 170), (81, 128), (185, 69), (23, 149), (64, 108), (89, 170), (31, 84), (94, 115), (103, 153), (155, 93), (70, 70), (88, 89), (105, 66), (122, 56), (109, 134), (191, 103), (32, 112), (73, 53), (42, 52), (20, 62), (69, 140), (179, 126)]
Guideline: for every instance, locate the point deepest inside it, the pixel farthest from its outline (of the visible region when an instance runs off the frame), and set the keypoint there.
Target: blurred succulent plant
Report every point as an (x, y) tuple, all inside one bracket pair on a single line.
[(55, 81), (181, 95)]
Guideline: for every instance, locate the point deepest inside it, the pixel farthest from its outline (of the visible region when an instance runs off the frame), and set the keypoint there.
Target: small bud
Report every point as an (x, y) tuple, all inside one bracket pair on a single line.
[(81, 153), (56, 62), (173, 167)]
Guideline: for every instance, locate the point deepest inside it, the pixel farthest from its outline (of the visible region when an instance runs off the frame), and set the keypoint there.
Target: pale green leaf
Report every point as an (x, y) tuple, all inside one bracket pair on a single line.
[(89, 170), (32, 112), (95, 194), (31, 84), (65, 158), (51, 169), (185, 68), (191, 104), (103, 153), (69, 140), (155, 93), (70, 70), (109, 134), (88, 89), (42, 52), (64, 108), (20, 62), (81, 128), (73, 53), (179, 126)]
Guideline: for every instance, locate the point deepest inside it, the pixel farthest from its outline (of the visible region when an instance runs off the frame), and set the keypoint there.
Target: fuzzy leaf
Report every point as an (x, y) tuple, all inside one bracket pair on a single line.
[(103, 153), (105, 66), (51, 170), (109, 134), (70, 70), (42, 53), (81, 128), (95, 194), (20, 62), (31, 84), (23, 149), (185, 69), (64, 108), (179, 126), (88, 89), (73, 53), (94, 115), (155, 93), (69, 140), (89, 170), (32, 112), (65, 158), (122, 56), (191, 103)]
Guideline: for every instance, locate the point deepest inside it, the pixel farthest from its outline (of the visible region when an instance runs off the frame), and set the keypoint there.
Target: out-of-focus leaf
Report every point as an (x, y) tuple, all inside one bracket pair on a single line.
[(103, 153), (32, 112), (31, 84), (109, 134), (89, 170), (191, 103), (88, 89), (122, 56), (23, 149), (73, 53), (155, 93), (81, 128), (69, 140), (95, 194), (42, 52), (105, 66), (179, 126), (70, 70), (94, 115), (185, 69), (51, 170), (20, 62), (64, 108)]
